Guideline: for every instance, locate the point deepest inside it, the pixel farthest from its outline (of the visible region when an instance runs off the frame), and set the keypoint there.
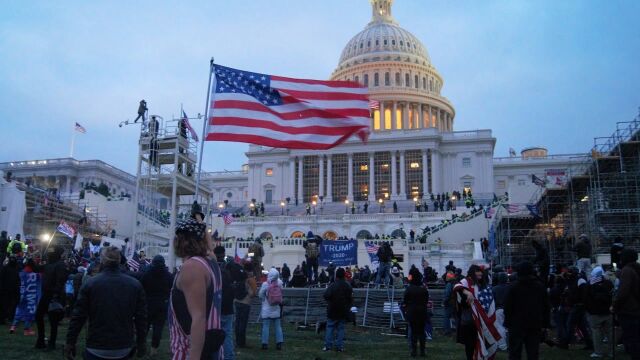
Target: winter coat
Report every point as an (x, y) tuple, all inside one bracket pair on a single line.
[(526, 305), (269, 311), (627, 300), (416, 299), (339, 297)]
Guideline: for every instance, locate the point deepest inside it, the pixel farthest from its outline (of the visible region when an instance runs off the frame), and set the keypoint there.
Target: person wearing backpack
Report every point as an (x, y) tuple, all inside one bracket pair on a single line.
[(312, 253), (385, 254), (598, 302), (271, 296), (339, 297)]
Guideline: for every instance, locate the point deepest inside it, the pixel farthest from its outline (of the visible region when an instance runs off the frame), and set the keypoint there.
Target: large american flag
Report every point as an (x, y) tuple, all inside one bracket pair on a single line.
[(283, 112), (484, 316)]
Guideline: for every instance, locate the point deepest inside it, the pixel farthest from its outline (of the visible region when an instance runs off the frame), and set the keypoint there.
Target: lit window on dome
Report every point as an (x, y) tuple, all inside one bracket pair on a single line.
[(414, 165), (269, 172), (364, 167)]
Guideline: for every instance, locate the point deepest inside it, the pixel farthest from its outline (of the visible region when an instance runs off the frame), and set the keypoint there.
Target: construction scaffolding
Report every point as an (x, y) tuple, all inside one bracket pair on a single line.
[(601, 199), (166, 175)]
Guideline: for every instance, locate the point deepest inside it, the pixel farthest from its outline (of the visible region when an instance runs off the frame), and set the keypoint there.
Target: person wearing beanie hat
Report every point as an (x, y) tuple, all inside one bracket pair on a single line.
[(598, 301), (416, 299), (339, 297), (157, 281)]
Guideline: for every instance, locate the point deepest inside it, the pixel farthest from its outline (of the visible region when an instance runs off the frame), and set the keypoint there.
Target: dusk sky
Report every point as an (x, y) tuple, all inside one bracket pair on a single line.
[(538, 73)]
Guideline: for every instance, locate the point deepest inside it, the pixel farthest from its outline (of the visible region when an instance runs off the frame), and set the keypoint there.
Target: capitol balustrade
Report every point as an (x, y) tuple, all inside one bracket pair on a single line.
[(345, 217)]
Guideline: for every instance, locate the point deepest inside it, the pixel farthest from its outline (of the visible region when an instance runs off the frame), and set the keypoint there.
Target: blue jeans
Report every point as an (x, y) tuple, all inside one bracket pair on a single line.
[(226, 323), (338, 325), (446, 320), (266, 324), (383, 270)]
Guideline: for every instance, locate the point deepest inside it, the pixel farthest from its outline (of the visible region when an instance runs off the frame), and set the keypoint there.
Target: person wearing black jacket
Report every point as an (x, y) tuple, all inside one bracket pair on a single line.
[(526, 313), (626, 304), (541, 261), (115, 305), (416, 298), (54, 277), (9, 289), (575, 297), (385, 254), (339, 297), (285, 274), (157, 282)]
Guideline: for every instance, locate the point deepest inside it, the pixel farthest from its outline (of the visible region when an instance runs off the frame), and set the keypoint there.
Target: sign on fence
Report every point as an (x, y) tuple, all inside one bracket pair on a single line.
[(340, 252)]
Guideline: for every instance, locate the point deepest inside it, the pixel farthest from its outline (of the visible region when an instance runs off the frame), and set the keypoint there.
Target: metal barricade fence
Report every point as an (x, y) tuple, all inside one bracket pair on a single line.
[(377, 308)]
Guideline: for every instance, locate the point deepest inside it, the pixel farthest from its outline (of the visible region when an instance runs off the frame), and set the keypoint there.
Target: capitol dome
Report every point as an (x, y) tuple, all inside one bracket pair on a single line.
[(384, 38), (396, 67)]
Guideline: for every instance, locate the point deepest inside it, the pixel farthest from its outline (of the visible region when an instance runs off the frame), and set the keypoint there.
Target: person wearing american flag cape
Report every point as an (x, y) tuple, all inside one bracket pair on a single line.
[(476, 313)]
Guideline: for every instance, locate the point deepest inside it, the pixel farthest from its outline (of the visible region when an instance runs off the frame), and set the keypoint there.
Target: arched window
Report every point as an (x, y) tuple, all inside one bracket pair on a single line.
[(424, 83), (398, 234), (297, 234), (393, 42), (330, 235), (364, 234), (376, 79), (431, 84), (416, 82), (361, 45), (398, 80), (407, 80), (377, 42), (387, 79), (357, 79), (369, 43), (401, 43), (266, 236), (366, 79)]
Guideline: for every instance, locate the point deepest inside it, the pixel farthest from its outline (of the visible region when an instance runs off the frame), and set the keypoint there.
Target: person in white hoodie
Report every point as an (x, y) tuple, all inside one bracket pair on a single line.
[(271, 296)]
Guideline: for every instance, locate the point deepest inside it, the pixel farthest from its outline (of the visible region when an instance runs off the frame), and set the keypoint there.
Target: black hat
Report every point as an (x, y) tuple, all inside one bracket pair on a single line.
[(192, 227), (196, 209)]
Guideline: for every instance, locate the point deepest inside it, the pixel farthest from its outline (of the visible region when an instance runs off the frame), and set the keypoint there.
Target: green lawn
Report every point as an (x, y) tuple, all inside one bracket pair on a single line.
[(299, 344)]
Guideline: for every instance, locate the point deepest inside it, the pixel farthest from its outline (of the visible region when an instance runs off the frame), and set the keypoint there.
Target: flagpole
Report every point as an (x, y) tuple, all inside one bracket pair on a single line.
[(205, 124), (73, 142), (49, 242)]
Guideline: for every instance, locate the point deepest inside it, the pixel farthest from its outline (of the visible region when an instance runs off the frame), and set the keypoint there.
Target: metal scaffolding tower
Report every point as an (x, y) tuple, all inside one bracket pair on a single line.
[(600, 199), (166, 175)]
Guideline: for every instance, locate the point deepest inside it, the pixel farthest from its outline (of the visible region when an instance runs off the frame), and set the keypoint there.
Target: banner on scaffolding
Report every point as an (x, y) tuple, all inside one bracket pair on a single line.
[(556, 178), (339, 252)]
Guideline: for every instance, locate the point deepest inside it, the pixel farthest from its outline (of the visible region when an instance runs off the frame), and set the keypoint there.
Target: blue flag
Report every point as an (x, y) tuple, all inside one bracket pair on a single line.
[(340, 252)]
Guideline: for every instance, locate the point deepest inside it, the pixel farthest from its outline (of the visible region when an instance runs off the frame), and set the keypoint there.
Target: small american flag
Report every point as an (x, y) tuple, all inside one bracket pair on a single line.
[(227, 218), (134, 265), (66, 229), (186, 122), (374, 104), (284, 112), (79, 128), (372, 250), (538, 181), (512, 208)]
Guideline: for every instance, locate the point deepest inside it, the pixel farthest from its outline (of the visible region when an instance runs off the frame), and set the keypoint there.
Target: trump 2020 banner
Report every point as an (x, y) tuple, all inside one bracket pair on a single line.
[(29, 296), (340, 252)]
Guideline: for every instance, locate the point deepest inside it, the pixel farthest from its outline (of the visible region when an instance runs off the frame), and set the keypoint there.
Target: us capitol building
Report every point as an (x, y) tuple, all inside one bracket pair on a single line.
[(412, 153)]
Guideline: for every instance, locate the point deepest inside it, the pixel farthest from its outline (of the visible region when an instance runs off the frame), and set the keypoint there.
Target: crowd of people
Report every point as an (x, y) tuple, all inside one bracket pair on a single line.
[(207, 301)]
